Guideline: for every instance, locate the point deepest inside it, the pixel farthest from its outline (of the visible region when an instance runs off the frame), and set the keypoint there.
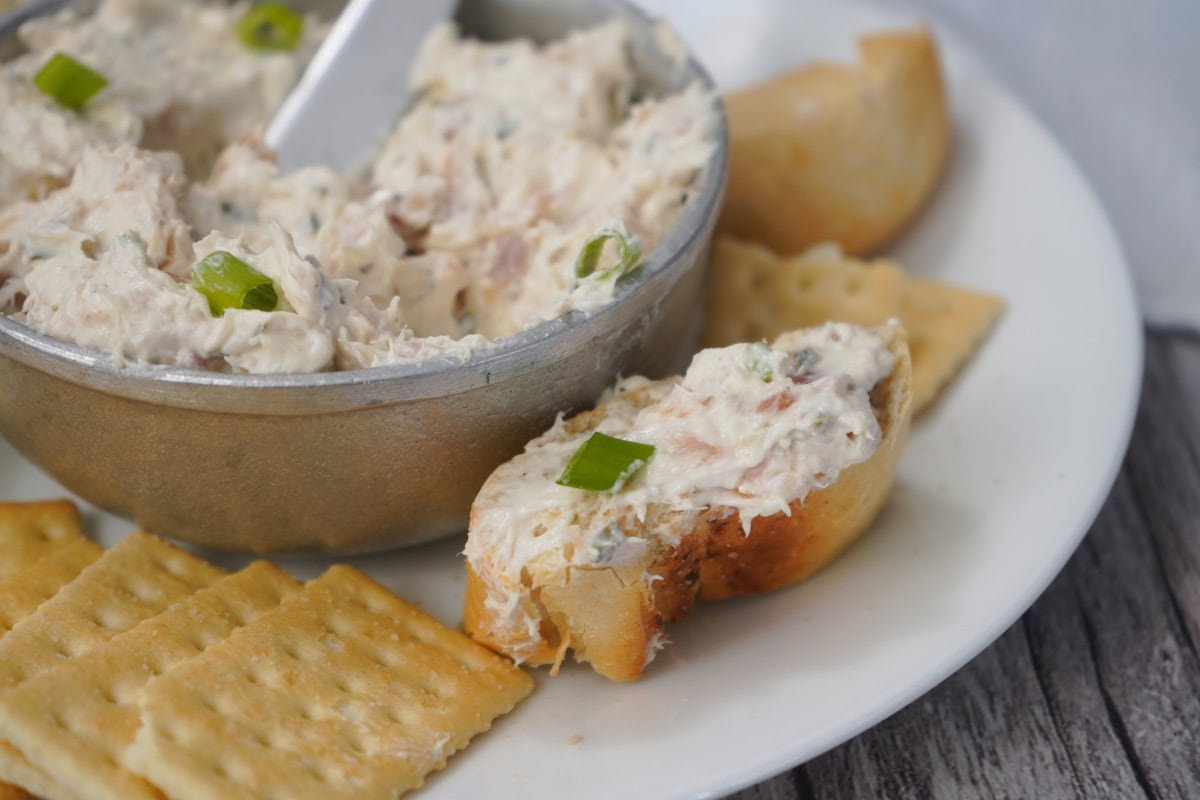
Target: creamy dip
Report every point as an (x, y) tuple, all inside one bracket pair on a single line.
[(749, 429), (464, 228)]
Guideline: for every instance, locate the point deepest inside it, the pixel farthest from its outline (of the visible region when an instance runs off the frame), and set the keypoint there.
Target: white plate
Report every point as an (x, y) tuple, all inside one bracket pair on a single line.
[(999, 484)]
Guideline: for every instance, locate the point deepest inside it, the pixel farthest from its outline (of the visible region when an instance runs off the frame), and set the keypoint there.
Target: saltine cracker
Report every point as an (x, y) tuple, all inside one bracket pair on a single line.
[(76, 720), (756, 295), (22, 592), (29, 531), (343, 691), (133, 581)]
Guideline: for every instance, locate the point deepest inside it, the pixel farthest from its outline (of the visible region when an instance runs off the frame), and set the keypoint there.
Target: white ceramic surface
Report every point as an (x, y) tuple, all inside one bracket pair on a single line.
[(999, 484)]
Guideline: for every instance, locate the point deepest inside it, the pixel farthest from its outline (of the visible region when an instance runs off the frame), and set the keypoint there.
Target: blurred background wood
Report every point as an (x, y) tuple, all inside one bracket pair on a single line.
[(1095, 691)]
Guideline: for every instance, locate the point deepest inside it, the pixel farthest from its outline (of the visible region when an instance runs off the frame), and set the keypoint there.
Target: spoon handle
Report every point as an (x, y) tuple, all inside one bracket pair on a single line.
[(356, 85)]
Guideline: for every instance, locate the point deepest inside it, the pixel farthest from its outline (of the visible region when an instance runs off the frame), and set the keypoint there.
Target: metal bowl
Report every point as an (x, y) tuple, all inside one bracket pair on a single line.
[(366, 459)]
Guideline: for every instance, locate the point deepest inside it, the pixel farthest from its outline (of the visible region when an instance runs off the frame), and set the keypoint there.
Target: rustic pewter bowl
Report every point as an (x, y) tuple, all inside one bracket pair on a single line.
[(365, 459)]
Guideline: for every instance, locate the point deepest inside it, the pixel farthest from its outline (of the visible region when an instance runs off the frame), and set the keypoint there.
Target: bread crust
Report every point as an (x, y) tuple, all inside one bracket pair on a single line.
[(838, 153), (782, 549), (613, 616)]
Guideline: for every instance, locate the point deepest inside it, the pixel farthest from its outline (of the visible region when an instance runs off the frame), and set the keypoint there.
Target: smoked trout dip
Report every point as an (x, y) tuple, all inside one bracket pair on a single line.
[(748, 429), (464, 228)]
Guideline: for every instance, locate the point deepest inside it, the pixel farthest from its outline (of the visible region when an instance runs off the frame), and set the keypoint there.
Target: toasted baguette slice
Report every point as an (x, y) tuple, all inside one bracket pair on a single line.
[(838, 152), (544, 581)]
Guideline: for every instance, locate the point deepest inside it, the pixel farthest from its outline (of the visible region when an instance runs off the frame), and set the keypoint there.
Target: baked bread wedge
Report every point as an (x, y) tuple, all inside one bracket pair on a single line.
[(767, 462), (845, 153)]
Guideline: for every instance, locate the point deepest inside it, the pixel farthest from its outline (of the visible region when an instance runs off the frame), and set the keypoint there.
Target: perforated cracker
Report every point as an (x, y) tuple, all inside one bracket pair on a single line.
[(77, 719), (131, 582), (22, 592), (755, 295), (29, 531), (344, 691), (945, 326)]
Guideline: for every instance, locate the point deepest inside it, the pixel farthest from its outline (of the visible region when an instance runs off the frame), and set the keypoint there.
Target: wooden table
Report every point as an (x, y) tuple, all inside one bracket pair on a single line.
[(1095, 691)]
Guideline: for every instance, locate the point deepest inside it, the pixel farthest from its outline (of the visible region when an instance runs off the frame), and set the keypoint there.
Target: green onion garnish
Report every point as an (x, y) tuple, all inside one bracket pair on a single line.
[(271, 26), (605, 463), (228, 282), (758, 361), (589, 255), (68, 81)]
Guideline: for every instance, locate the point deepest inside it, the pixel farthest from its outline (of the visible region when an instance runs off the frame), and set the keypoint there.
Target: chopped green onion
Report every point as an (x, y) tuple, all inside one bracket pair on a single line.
[(589, 255), (68, 81), (271, 26), (605, 463), (758, 361), (228, 282)]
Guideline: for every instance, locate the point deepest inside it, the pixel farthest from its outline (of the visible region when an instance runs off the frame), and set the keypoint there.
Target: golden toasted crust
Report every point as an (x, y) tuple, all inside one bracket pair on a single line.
[(838, 153), (10, 792), (783, 549), (614, 617)]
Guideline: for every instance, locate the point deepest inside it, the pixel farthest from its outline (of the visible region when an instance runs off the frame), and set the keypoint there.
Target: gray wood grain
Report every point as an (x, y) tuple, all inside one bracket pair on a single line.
[(1095, 691)]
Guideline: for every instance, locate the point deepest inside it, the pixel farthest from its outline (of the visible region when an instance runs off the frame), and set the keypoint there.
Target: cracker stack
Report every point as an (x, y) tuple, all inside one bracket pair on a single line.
[(144, 672), (33, 566)]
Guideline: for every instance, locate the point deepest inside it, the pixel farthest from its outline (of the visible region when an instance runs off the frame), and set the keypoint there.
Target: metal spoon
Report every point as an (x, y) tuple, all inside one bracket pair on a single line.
[(356, 85)]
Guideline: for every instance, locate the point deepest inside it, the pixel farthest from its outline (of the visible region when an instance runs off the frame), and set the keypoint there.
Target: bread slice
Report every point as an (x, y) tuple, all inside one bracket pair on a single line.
[(845, 153), (551, 569)]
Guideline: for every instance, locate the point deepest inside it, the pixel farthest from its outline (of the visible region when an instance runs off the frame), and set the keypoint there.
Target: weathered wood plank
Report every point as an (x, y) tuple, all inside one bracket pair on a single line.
[(1167, 469), (1096, 691), (1137, 632), (985, 733), (1077, 647)]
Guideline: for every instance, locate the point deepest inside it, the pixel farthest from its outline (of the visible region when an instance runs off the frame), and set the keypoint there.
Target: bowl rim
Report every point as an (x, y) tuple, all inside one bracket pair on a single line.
[(99, 369)]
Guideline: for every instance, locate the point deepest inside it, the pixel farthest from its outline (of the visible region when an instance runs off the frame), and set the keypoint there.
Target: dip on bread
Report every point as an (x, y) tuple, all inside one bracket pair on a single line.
[(464, 228), (751, 433)]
